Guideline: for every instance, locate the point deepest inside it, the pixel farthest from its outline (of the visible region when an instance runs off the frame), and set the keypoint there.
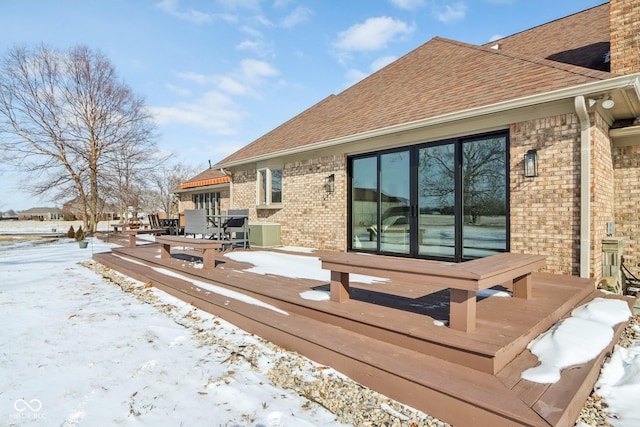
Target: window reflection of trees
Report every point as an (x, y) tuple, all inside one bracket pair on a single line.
[(436, 175), (483, 178)]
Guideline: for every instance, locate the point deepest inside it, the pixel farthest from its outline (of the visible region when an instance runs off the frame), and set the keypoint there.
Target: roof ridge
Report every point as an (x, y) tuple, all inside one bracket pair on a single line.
[(545, 23), (574, 69)]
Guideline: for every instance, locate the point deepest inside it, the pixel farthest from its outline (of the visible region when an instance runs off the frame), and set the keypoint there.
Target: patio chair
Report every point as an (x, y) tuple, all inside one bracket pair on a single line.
[(236, 228), (154, 222), (196, 222)]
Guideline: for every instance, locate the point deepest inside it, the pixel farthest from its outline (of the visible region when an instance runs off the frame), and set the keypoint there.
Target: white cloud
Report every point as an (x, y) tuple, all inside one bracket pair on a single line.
[(353, 76), (249, 45), (178, 90), (382, 62), (254, 70), (298, 16), (232, 86), (259, 47), (373, 34), (241, 4), (451, 13), (408, 4), (495, 37), (250, 73), (213, 112), (198, 78), (281, 3), (171, 7), (251, 31)]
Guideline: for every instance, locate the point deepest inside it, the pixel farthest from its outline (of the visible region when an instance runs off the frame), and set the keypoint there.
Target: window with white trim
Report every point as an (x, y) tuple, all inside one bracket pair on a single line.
[(269, 191), (207, 201)]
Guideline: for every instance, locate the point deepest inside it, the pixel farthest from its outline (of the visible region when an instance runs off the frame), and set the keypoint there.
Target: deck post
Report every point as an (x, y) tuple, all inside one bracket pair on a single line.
[(522, 287), (462, 310), (339, 286), (165, 251), (209, 259), (132, 240)]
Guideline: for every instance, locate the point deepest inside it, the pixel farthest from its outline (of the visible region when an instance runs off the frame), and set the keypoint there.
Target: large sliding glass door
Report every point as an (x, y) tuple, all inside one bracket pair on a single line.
[(484, 197), (445, 200), (395, 209), (436, 196), (364, 203)]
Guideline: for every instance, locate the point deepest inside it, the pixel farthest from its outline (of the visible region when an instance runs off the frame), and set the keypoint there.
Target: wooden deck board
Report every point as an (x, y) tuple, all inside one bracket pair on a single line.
[(482, 347), (475, 376)]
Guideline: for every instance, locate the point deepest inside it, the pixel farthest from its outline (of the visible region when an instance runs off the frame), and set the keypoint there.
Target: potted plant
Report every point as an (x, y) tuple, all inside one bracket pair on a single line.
[(79, 235)]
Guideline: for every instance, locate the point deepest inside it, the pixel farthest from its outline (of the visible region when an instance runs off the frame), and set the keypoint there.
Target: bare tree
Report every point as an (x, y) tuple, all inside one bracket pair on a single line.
[(162, 184), (68, 122)]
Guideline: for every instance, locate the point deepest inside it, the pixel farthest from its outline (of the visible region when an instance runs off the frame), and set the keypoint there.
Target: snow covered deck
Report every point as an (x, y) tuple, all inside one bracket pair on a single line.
[(395, 344)]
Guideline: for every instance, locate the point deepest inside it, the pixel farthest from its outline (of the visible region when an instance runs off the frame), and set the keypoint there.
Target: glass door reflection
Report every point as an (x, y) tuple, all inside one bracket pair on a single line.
[(436, 195), (395, 208)]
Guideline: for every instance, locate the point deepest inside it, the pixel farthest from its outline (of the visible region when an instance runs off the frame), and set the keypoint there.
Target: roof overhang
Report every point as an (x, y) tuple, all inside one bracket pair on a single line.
[(202, 189), (203, 185), (624, 90)]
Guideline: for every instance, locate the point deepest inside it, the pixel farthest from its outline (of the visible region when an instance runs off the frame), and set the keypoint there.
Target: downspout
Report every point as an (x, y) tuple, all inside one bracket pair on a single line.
[(585, 186)]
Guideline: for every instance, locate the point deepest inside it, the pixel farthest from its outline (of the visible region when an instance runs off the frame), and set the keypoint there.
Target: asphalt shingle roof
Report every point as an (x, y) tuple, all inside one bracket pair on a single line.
[(580, 39), (441, 76)]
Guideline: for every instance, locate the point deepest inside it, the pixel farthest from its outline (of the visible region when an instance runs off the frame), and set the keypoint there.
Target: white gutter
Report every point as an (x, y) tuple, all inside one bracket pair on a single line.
[(600, 86), (585, 186)]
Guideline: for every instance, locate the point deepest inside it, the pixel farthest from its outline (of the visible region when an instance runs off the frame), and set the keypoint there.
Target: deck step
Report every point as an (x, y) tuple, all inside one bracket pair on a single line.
[(554, 402), (387, 348), (460, 395)]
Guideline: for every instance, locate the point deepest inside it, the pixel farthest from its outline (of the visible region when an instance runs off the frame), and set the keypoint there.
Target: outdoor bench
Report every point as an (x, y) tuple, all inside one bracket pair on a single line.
[(463, 279), (134, 232), (120, 226), (208, 247)]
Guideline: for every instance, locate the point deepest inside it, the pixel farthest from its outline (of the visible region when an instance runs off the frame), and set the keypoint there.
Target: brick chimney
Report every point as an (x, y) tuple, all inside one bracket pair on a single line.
[(624, 24)]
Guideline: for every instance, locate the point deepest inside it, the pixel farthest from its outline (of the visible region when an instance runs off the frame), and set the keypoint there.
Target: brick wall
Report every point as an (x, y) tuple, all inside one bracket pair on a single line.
[(243, 193), (602, 193), (625, 36), (626, 171), (545, 210), (310, 217), (314, 217)]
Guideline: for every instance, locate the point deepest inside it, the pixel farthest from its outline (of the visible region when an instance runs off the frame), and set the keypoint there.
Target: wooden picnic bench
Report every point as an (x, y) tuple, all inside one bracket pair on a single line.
[(208, 247), (463, 279), (133, 233), (118, 227)]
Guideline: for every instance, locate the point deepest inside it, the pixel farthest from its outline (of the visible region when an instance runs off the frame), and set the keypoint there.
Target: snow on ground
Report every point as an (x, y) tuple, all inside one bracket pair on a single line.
[(577, 339), (78, 351), (298, 266)]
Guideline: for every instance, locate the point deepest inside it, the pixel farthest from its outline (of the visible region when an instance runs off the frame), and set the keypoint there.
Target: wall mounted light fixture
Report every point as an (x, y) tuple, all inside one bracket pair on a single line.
[(531, 164), (608, 103), (329, 183)]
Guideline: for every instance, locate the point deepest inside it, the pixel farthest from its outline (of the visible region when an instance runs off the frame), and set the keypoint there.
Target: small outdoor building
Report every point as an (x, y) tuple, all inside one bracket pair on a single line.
[(528, 144)]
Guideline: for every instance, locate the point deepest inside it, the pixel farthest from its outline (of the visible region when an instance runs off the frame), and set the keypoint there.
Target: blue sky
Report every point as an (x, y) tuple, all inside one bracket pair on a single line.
[(217, 74)]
